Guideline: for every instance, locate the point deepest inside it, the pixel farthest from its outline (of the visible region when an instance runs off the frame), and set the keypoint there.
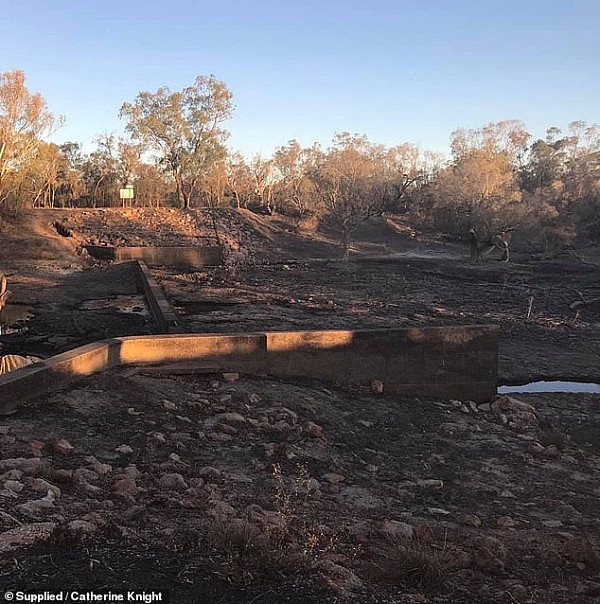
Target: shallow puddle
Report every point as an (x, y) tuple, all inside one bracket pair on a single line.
[(553, 386)]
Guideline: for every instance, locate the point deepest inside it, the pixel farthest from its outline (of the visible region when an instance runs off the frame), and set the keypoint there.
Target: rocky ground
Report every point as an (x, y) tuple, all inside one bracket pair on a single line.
[(255, 490), (229, 488)]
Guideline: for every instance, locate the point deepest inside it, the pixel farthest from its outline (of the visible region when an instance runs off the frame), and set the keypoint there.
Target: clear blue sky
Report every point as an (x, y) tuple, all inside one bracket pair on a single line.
[(395, 70)]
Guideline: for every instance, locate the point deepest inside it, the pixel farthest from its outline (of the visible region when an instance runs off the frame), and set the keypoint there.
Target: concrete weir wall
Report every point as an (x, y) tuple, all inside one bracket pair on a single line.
[(449, 362), (163, 316), (209, 255)]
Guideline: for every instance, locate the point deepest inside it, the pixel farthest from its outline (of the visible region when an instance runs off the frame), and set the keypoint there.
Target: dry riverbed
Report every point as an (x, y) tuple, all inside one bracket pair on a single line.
[(239, 489)]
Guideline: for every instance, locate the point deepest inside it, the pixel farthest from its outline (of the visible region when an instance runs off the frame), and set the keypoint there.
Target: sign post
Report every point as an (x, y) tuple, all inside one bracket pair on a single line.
[(126, 193)]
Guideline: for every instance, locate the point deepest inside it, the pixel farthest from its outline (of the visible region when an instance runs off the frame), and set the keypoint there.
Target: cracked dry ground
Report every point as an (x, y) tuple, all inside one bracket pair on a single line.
[(227, 488)]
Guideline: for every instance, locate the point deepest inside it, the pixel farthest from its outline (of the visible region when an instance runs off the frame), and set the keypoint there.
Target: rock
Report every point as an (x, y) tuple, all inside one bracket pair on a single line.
[(173, 481), (95, 518), (169, 405), (91, 490), (14, 485), (61, 446), (552, 523), (38, 507), (432, 484), (85, 475), (508, 494), (472, 406), (506, 522), (365, 423), (286, 414), (82, 528), (233, 418), (225, 399), (37, 447), (159, 436), (209, 472), (132, 471), (359, 497), (11, 475), (39, 485), (377, 386), (536, 448), (338, 578), (470, 520), (485, 407), (102, 469), (438, 511), (221, 437), (522, 421), (396, 529), (174, 457), (26, 535), (124, 449), (254, 398), (270, 449), (503, 402), (231, 377), (312, 485), (312, 430), (61, 475), (28, 465), (222, 510), (333, 478), (126, 487), (551, 452), (226, 429)]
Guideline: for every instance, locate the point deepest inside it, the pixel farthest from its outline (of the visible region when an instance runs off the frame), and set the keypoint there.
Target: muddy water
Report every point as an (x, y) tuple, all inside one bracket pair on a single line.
[(552, 386)]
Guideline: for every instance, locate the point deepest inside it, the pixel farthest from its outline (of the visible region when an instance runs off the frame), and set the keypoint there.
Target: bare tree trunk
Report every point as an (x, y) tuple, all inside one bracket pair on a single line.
[(346, 237), (214, 224)]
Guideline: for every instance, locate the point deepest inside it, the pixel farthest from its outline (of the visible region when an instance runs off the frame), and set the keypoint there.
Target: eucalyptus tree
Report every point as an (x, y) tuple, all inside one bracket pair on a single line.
[(480, 187), (24, 122), (350, 183), (183, 128), (239, 179), (293, 165)]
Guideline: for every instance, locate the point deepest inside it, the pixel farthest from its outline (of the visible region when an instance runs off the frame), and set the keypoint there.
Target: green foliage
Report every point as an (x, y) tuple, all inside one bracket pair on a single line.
[(183, 129)]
